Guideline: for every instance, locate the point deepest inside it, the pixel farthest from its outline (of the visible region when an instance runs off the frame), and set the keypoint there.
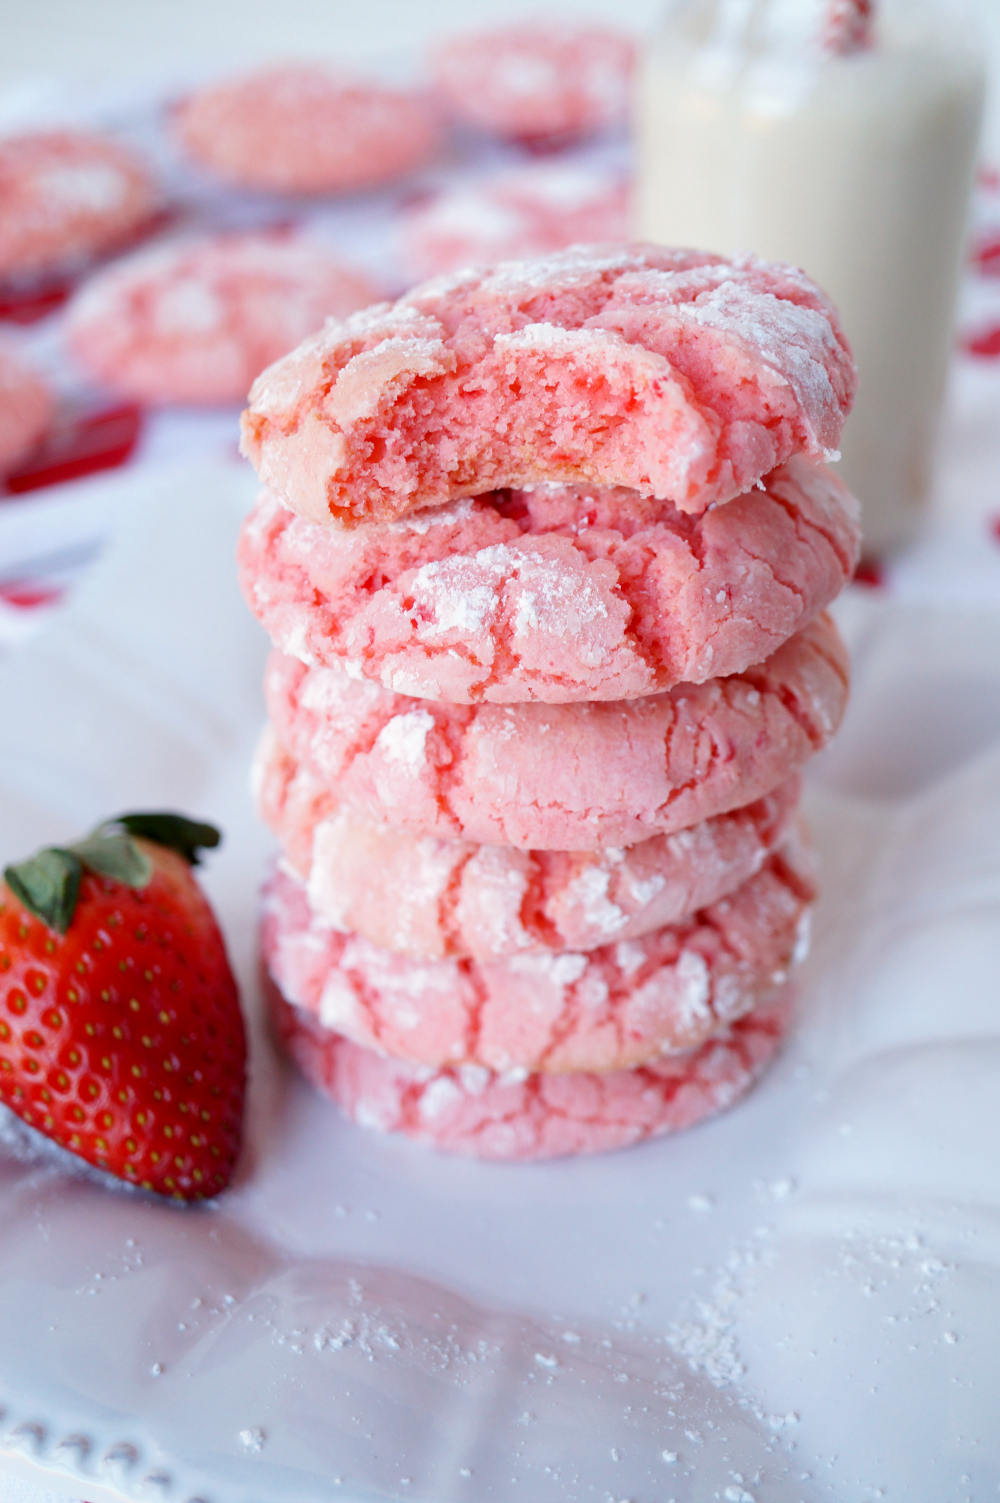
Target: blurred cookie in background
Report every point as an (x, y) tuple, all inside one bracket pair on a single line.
[(527, 211), (542, 84), (66, 196), (305, 130), (197, 320), (26, 408)]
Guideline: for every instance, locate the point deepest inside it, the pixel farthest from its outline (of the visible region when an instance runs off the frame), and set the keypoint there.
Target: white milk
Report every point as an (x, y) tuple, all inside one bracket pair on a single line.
[(857, 167)]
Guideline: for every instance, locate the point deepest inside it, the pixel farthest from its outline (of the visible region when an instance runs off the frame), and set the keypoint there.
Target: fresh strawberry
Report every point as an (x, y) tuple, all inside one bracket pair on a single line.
[(120, 1029)]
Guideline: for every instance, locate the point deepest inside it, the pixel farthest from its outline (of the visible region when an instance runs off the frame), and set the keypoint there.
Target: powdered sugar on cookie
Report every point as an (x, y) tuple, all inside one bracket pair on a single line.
[(558, 593), (486, 1115), (458, 898), (678, 374), (566, 777), (551, 1011)]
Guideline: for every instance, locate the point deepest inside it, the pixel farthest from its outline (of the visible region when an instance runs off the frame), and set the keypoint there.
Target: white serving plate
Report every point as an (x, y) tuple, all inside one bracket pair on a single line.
[(797, 1301)]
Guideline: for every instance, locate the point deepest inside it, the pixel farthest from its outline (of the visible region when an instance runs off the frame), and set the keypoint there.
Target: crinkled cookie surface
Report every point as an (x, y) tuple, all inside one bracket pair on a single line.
[(557, 593), (470, 1110), (572, 777), (675, 373), (455, 898), (613, 1008)]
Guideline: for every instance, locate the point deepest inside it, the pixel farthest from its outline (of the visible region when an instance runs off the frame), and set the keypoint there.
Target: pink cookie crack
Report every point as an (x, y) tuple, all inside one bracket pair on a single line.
[(675, 373), (454, 898), (614, 1007), (555, 593), (563, 777), (472, 1110)]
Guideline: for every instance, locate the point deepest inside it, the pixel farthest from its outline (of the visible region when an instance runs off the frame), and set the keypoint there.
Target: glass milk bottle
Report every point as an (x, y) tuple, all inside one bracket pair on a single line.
[(839, 135)]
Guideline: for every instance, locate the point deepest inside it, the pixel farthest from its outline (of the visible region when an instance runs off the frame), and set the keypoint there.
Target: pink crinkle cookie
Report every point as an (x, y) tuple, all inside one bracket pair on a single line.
[(473, 1111), (528, 211), (557, 593), (304, 129), (26, 407), (535, 82), (607, 1009), (196, 321), (676, 373), (576, 777), (454, 898), (64, 196)]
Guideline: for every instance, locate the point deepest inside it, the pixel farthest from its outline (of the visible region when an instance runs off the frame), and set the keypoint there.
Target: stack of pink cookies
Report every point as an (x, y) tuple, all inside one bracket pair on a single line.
[(544, 551)]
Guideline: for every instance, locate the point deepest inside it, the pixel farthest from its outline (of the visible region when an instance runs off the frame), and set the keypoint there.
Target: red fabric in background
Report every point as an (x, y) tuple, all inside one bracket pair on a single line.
[(99, 441), (985, 344)]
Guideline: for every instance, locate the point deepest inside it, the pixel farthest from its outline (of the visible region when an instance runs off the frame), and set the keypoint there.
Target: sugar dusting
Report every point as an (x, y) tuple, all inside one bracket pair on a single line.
[(496, 597), (590, 890), (403, 739), (592, 294), (695, 988), (797, 343), (611, 1008), (90, 188)]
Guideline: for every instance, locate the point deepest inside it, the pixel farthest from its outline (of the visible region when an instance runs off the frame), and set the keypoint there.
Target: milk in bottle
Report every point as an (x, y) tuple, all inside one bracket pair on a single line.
[(839, 135)]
